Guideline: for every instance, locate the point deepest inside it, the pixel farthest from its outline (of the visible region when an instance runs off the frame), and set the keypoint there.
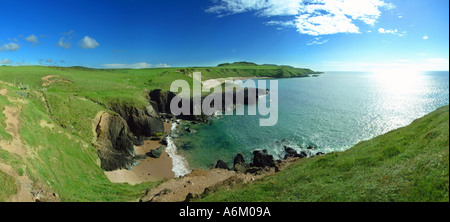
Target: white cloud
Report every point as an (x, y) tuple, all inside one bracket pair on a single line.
[(64, 44), (281, 23), (32, 39), (141, 65), (391, 31), (89, 43), (317, 41), (6, 61), (9, 47), (425, 37), (262, 7), (311, 17), (162, 65)]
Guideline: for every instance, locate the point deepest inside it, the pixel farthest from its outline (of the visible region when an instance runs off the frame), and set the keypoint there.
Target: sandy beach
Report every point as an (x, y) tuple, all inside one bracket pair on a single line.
[(210, 83), (149, 169)]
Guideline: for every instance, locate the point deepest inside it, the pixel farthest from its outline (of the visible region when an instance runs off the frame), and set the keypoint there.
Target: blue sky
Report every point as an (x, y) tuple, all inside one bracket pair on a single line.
[(359, 35)]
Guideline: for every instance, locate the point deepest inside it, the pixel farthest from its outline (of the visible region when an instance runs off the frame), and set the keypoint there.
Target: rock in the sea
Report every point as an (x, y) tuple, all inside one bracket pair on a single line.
[(310, 147), (239, 159), (289, 152), (319, 153), (302, 154), (292, 153), (240, 165), (164, 141), (262, 159), (222, 165)]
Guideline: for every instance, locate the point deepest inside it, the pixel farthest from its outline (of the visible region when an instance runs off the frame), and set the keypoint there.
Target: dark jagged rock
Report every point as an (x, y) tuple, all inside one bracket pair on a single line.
[(221, 165), (310, 147), (239, 159), (302, 154), (254, 170), (289, 152), (239, 164), (156, 153), (162, 100), (189, 197), (164, 141), (319, 153), (262, 159), (141, 121), (292, 153), (138, 140), (115, 143)]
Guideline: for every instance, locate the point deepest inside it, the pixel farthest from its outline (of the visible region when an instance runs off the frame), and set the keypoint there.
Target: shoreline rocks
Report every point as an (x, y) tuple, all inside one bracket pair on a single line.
[(221, 165), (261, 158)]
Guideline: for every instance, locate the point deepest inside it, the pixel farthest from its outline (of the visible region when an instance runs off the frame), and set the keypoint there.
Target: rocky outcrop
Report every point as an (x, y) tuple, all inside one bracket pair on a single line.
[(156, 153), (240, 165), (290, 153), (115, 142), (221, 165), (162, 101), (261, 158), (143, 122)]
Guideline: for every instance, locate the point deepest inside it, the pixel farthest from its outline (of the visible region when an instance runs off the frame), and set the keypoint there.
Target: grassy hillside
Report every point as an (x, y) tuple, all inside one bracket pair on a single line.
[(407, 164), (55, 108), (8, 186)]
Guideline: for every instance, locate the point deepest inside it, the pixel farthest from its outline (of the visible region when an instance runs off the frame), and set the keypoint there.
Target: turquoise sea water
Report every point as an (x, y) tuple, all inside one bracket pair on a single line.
[(333, 112)]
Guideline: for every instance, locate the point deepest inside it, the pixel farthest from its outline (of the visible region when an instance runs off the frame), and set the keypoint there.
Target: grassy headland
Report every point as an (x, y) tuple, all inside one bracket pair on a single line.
[(55, 107), (407, 164)]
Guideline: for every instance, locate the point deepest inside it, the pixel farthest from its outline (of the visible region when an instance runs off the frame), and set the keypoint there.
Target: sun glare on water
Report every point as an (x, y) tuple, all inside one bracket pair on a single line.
[(399, 81), (399, 93)]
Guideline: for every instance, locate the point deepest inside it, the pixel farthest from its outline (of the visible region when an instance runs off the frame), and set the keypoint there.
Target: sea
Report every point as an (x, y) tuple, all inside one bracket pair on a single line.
[(331, 112)]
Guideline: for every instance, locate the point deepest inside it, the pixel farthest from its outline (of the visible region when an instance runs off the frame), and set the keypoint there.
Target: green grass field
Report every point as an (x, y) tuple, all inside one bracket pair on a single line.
[(407, 164), (56, 119)]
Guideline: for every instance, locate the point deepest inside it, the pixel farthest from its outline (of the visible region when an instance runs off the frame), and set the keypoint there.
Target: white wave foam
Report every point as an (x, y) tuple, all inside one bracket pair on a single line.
[(179, 164)]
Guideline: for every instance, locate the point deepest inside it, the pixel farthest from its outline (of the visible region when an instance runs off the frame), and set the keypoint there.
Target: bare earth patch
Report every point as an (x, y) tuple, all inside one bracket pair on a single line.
[(3, 92), (12, 127), (48, 80), (24, 185), (45, 124)]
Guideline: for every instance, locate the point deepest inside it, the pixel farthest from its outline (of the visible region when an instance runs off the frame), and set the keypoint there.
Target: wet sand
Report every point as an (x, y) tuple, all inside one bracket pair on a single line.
[(149, 169)]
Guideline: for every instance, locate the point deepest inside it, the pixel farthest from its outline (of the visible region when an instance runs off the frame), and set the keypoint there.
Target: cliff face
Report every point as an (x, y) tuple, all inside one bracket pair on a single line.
[(142, 122), (162, 99), (115, 142), (118, 133)]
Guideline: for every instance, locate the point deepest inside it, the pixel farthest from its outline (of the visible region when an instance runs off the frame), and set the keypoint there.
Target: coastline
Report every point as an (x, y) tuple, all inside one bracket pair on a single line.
[(170, 165), (210, 83), (149, 169)]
